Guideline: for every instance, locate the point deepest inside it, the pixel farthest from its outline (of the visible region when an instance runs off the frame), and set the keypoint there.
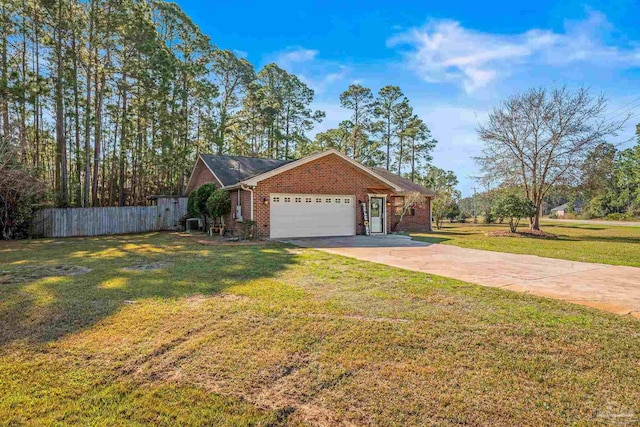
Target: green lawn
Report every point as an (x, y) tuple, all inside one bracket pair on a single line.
[(267, 334), (617, 245)]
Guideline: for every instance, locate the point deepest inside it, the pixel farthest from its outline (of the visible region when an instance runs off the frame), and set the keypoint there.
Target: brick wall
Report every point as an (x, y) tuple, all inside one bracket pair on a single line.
[(327, 175), (245, 202), (201, 175), (418, 222)]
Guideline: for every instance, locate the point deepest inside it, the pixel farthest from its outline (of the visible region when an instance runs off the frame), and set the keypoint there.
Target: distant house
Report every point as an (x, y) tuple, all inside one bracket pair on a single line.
[(324, 194), (561, 211)]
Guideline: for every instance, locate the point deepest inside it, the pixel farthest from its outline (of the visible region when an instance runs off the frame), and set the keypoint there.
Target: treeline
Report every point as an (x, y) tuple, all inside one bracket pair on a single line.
[(606, 185), (609, 184), (382, 131), (109, 101)]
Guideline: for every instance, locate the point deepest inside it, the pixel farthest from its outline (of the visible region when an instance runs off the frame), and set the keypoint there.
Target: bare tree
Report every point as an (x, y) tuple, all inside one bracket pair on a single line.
[(540, 138), (410, 200)]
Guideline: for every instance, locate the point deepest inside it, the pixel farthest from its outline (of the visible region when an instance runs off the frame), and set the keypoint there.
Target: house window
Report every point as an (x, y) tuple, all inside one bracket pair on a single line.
[(318, 200), (398, 204), (276, 199), (347, 200), (307, 200), (298, 199), (287, 199), (327, 200), (338, 200)]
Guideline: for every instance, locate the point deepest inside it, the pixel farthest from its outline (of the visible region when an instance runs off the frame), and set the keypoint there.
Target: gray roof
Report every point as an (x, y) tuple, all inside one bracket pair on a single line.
[(405, 184), (560, 208), (233, 169), (563, 207)]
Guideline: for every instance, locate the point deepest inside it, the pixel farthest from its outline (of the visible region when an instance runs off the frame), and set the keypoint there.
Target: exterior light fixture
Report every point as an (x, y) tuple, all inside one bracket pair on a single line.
[(265, 200)]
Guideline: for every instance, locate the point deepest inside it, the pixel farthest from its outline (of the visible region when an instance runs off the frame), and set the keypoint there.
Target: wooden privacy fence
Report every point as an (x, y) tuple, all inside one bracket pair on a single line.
[(69, 222)]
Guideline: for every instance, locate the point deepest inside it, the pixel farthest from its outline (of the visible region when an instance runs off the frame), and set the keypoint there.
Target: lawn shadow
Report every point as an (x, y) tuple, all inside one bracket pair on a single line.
[(40, 302)]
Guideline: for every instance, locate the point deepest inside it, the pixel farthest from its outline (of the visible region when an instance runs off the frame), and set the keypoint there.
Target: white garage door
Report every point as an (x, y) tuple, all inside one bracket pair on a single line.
[(312, 215)]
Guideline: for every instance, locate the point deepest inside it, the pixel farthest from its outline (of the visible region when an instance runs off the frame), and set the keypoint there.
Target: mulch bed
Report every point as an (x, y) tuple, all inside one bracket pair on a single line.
[(534, 234)]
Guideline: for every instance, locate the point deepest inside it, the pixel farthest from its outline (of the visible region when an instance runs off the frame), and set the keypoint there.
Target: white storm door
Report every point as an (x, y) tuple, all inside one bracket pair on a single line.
[(376, 209)]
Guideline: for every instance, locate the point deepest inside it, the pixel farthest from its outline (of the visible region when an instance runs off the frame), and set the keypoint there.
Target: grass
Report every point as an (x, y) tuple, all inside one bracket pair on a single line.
[(607, 244), (163, 330)]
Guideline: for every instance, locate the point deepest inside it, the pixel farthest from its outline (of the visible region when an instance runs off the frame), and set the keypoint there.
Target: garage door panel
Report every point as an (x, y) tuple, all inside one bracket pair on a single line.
[(312, 215)]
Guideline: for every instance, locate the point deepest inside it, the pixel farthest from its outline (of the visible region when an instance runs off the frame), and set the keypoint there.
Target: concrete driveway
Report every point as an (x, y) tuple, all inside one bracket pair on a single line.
[(607, 287)]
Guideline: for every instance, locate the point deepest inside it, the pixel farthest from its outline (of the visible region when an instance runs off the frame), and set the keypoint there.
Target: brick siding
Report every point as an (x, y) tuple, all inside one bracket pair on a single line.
[(327, 175)]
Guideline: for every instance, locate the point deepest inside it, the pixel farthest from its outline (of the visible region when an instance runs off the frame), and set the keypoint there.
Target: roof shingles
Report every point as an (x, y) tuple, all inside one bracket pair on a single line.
[(233, 169), (401, 182)]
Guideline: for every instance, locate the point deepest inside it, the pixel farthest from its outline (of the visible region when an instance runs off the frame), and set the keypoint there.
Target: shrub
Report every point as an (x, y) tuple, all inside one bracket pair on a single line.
[(452, 211), (619, 216), (198, 201), (192, 208), (219, 204), (489, 218), (247, 230), (513, 208), (20, 192)]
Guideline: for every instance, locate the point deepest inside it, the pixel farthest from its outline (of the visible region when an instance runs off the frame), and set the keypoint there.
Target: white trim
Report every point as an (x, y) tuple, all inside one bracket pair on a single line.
[(200, 159), (250, 190), (195, 166), (385, 214), (430, 199), (253, 181), (211, 170)]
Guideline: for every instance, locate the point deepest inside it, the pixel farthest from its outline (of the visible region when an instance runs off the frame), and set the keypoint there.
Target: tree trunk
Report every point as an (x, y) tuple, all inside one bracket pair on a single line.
[(76, 106), (97, 139), (62, 177), (36, 66), (4, 75), (388, 140), (413, 160), (535, 221), (87, 123), (123, 137), (400, 155), (23, 101)]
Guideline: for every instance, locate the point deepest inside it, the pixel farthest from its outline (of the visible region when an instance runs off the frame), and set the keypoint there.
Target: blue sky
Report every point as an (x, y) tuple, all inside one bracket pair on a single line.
[(455, 60)]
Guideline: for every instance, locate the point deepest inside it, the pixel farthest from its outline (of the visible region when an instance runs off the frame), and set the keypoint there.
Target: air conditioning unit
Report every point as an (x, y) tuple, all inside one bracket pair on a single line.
[(239, 213)]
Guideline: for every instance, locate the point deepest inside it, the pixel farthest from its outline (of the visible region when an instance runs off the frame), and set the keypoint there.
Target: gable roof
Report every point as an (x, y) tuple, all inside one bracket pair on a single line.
[(404, 183), (230, 170), (236, 171), (563, 207), (252, 181)]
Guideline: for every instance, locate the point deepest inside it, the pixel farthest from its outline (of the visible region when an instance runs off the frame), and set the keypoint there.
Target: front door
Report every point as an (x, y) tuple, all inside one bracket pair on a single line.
[(377, 214)]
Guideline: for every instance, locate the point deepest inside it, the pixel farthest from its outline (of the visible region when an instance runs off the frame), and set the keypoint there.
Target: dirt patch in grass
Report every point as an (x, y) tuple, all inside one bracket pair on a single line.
[(214, 241), (147, 267), (533, 234), (27, 273)]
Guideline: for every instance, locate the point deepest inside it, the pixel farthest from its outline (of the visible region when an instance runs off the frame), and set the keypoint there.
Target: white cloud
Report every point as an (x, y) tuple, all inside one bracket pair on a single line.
[(319, 74), (295, 55), (445, 51)]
